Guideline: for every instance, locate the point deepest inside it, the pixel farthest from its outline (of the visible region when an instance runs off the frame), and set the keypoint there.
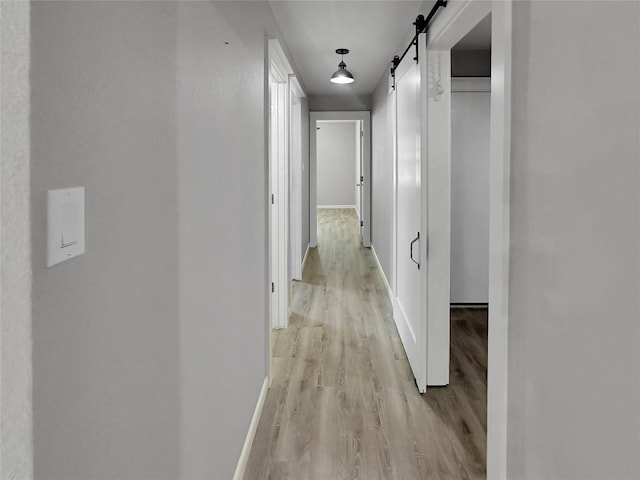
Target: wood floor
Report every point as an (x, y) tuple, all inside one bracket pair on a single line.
[(343, 403)]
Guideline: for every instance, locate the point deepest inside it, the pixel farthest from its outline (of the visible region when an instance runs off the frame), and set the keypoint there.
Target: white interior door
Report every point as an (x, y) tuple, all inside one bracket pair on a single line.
[(279, 197), (410, 321), (359, 176), (295, 218), (274, 217)]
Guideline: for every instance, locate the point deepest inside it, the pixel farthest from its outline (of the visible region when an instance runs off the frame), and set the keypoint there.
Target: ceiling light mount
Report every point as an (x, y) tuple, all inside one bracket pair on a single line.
[(342, 76)]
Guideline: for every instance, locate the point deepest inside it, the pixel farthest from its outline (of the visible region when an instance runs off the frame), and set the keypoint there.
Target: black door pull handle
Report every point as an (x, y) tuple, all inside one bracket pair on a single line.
[(411, 250)]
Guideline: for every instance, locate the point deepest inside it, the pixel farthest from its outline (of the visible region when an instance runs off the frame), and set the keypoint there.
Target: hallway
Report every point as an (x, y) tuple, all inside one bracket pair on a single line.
[(145, 357), (343, 403)]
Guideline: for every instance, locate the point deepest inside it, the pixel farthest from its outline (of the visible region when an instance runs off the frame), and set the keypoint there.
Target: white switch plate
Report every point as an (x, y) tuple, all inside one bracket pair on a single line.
[(65, 224)]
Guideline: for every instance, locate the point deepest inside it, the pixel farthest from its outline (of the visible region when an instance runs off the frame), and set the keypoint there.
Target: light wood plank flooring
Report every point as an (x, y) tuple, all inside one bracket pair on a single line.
[(343, 403)]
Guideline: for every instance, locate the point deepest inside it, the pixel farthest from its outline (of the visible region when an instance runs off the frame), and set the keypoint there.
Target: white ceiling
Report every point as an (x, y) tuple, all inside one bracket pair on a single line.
[(373, 31)]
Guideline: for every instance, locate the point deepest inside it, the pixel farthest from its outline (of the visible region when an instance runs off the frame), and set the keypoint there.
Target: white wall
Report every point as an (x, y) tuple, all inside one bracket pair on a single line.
[(336, 144), (574, 365), (16, 452), (470, 112), (382, 176)]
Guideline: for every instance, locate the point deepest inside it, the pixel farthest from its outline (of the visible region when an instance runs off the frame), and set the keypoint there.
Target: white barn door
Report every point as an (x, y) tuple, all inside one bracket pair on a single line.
[(422, 215), (411, 322)]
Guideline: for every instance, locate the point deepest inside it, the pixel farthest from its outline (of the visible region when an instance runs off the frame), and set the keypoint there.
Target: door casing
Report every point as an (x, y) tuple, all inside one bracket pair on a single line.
[(448, 28), (278, 150)]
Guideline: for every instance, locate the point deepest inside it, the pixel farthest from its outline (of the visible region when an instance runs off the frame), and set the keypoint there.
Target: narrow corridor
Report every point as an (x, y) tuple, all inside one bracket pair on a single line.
[(343, 403)]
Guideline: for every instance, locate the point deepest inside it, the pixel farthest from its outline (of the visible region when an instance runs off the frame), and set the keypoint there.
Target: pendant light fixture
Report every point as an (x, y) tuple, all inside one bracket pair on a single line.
[(342, 75)]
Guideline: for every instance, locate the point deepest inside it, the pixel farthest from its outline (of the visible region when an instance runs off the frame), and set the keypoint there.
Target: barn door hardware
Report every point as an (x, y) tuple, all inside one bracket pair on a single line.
[(421, 24)]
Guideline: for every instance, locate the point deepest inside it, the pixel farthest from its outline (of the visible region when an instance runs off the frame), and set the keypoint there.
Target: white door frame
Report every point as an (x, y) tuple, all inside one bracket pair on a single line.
[(365, 116), (296, 94), (451, 25), (278, 193)]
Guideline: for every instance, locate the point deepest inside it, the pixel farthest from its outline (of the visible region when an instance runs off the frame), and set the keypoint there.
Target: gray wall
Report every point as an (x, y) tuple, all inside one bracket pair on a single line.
[(148, 360), (382, 176), (470, 63), (16, 454), (336, 145), (337, 103), (105, 324), (223, 262), (574, 366)]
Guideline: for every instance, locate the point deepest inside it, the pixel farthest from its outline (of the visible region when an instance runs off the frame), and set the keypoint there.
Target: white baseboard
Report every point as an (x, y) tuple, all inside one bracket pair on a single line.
[(382, 274), (253, 426), (304, 259), (337, 206)]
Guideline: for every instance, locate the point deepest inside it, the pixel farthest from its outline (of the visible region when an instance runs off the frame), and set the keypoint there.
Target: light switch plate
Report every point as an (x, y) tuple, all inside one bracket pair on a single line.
[(65, 224)]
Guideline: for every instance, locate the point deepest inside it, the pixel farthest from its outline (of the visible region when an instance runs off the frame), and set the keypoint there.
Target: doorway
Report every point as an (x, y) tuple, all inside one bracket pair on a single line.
[(278, 196), (453, 24), (422, 233), (296, 94), (285, 183), (470, 144), (357, 192), (339, 164)]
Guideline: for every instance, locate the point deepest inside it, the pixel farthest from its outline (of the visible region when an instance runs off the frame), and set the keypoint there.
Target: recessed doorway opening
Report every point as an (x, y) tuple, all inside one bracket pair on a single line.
[(340, 166), (452, 25)]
